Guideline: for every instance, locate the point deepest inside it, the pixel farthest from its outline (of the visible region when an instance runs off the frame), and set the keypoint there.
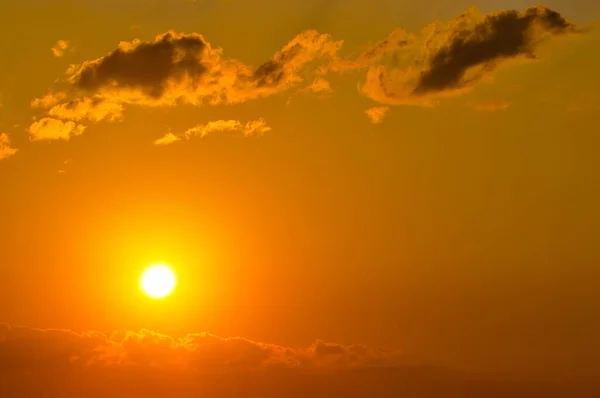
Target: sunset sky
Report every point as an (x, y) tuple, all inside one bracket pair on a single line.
[(376, 198)]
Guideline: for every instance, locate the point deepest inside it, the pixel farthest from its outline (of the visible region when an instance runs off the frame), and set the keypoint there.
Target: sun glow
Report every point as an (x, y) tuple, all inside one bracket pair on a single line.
[(158, 281)]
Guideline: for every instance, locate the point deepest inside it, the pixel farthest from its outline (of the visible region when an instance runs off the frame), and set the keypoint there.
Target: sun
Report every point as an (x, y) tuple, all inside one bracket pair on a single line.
[(158, 281)]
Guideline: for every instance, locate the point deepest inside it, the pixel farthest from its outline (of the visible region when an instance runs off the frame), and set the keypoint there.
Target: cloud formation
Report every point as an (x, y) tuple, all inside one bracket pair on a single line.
[(185, 68), (252, 128), (60, 47), (456, 56), (376, 114), (28, 347), (320, 85), (94, 109), (49, 100), (62, 363), (49, 129), (6, 150)]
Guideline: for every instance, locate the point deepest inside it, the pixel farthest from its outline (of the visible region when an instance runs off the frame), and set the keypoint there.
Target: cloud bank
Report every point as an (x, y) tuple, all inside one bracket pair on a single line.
[(62, 363)]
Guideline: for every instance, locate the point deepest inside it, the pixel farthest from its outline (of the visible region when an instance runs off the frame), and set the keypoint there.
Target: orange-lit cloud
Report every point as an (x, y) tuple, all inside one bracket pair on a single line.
[(456, 56), (62, 363), (377, 113), (6, 150), (177, 68), (185, 68), (396, 42), (49, 100), (201, 352), (252, 128), (60, 47), (48, 129), (320, 85), (93, 109)]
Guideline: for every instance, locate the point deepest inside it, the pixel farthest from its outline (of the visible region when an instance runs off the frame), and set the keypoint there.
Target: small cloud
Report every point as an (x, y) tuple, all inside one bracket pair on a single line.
[(252, 128), (377, 113), (491, 105), (6, 150), (320, 85), (169, 138), (60, 47), (49, 100), (49, 129)]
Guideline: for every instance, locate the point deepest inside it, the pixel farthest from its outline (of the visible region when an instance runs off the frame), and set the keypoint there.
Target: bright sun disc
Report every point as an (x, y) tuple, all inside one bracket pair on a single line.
[(158, 281)]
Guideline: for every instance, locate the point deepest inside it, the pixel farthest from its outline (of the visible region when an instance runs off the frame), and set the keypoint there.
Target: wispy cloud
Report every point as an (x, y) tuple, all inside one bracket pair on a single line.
[(49, 100), (94, 109), (252, 128)]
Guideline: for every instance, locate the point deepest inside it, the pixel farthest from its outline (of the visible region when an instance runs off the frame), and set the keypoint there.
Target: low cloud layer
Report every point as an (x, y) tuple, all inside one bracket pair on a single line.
[(252, 128), (203, 352), (6, 150), (62, 363), (94, 109)]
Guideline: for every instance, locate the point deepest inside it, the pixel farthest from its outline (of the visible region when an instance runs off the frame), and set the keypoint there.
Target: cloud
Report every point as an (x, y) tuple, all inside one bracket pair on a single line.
[(49, 100), (167, 139), (62, 363), (94, 109), (320, 85), (377, 113), (491, 105), (60, 47), (396, 42), (6, 150), (53, 129), (252, 128), (456, 56), (27, 347), (184, 68)]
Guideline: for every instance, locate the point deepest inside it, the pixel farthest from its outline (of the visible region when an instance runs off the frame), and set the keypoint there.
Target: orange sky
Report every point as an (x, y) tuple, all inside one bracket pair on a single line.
[(327, 178)]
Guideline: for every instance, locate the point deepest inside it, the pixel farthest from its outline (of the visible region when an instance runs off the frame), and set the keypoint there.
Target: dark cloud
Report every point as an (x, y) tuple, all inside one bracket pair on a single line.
[(456, 56), (508, 34), (145, 66), (178, 67)]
